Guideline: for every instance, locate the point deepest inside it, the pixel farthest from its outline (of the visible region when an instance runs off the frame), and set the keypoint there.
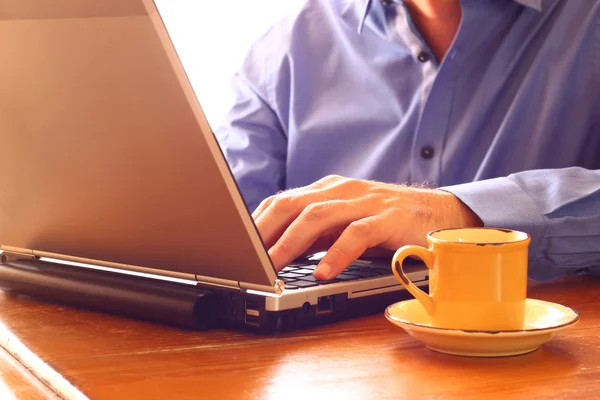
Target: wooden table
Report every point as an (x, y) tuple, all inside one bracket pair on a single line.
[(16, 382), (108, 357)]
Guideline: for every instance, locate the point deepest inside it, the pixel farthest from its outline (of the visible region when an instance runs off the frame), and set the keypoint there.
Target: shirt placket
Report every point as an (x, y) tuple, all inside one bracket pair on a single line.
[(422, 152), (435, 96)]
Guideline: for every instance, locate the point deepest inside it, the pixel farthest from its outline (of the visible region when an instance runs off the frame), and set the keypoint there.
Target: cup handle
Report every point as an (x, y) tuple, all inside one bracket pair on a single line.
[(424, 254)]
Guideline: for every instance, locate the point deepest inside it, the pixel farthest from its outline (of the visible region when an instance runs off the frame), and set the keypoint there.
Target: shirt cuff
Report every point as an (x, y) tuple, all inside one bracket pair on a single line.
[(501, 203)]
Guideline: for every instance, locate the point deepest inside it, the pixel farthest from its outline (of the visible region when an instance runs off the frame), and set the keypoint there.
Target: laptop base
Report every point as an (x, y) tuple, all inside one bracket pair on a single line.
[(185, 305), (247, 311), (165, 302)]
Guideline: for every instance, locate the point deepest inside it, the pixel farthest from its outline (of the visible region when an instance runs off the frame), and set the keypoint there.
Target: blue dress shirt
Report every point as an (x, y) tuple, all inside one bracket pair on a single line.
[(508, 121)]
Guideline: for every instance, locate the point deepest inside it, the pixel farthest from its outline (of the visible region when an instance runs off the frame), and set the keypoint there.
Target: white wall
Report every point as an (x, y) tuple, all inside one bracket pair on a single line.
[(212, 38)]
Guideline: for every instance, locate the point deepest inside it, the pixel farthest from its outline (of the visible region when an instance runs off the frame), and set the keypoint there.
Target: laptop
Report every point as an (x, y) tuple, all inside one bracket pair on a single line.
[(109, 162)]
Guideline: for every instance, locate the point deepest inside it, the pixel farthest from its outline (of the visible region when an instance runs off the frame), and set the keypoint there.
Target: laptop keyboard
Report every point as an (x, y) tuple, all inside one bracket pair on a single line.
[(301, 275)]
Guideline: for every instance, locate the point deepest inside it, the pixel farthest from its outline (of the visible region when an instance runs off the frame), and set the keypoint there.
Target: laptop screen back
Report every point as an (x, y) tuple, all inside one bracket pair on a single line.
[(106, 154)]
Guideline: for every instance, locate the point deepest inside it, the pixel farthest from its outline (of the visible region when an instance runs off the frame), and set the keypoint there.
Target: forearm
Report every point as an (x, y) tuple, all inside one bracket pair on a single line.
[(560, 209)]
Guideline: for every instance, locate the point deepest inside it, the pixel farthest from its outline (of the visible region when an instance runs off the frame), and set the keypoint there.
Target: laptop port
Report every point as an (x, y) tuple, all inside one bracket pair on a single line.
[(252, 316), (306, 307), (324, 305)]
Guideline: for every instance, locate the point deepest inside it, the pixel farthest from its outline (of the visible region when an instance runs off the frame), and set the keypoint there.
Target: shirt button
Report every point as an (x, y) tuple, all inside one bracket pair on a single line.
[(423, 57), (427, 152), (386, 2)]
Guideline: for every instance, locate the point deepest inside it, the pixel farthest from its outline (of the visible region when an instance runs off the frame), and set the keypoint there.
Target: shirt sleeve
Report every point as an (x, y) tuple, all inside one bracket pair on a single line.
[(558, 208), (254, 143)]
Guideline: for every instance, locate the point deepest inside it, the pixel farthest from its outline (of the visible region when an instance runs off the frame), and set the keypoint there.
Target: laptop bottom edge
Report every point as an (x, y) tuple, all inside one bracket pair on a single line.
[(194, 306), (242, 310)]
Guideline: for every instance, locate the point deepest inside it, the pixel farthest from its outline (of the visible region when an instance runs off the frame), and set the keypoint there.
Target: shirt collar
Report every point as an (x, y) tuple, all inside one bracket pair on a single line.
[(364, 6)]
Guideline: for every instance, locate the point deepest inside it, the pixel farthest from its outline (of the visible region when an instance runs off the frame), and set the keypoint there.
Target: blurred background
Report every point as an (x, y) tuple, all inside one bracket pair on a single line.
[(212, 39)]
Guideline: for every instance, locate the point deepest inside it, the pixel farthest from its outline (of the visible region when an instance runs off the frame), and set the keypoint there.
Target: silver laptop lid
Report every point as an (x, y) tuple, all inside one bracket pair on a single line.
[(106, 154)]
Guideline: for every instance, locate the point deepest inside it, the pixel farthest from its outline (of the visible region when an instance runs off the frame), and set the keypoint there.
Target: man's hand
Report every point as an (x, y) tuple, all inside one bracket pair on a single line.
[(349, 216)]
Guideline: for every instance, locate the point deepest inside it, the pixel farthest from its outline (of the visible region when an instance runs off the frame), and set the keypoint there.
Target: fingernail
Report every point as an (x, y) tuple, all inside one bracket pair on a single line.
[(323, 270)]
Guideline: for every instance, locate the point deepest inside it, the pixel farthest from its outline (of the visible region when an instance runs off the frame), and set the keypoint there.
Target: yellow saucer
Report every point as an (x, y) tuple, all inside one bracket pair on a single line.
[(542, 321)]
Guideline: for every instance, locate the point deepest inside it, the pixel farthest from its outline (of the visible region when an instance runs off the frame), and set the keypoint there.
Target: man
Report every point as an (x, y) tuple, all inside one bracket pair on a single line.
[(495, 101)]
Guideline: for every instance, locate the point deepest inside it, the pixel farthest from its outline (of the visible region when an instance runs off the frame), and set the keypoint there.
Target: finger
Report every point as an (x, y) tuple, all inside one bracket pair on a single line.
[(262, 207), (267, 202), (378, 252), (323, 243), (284, 209), (330, 181), (354, 241), (315, 221)]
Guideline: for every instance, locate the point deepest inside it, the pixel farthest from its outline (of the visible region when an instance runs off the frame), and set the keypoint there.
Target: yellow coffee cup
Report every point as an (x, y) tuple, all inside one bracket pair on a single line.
[(477, 278)]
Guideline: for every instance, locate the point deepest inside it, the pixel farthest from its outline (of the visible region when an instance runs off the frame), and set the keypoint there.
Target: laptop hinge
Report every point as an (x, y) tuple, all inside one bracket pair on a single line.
[(277, 287), (15, 253), (225, 283)]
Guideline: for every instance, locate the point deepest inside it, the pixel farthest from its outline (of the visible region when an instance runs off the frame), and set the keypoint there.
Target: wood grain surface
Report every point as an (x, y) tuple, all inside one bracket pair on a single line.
[(16, 382), (108, 357)]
